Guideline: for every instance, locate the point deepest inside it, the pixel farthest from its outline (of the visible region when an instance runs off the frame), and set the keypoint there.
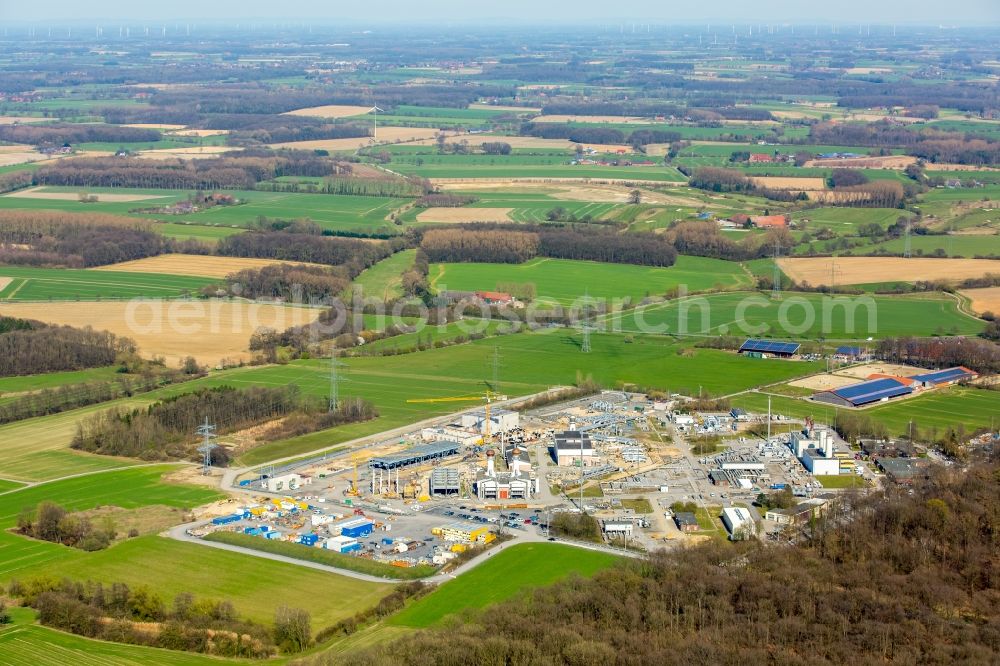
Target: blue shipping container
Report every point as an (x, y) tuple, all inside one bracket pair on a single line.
[(778, 486), (245, 482)]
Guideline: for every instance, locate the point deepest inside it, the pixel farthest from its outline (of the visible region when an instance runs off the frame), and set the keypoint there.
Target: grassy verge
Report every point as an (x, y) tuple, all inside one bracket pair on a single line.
[(504, 575), (841, 481), (322, 556)]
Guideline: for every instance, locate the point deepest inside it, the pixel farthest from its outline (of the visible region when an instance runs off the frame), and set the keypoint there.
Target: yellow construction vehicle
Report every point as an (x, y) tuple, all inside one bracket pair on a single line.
[(353, 491)]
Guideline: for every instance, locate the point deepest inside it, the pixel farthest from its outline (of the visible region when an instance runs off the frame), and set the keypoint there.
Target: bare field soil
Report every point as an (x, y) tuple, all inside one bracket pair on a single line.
[(210, 331), (538, 142), (869, 270), (191, 264), (4, 281), (593, 192), (557, 118), (944, 166), (891, 162), (10, 120), (20, 157), (823, 382), (983, 300), (457, 215), (385, 135), (868, 369), (192, 153), (499, 107), (40, 193), (781, 183), (166, 127), (198, 132), (330, 111)]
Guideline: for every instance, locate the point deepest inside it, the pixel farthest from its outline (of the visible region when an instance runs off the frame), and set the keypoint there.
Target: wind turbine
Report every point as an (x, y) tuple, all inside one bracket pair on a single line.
[(375, 110)]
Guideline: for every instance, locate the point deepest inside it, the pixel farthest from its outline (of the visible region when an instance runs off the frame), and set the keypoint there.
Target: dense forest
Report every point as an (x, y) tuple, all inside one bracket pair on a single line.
[(28, 348), (53, 238), (517, 244), (899, 577)]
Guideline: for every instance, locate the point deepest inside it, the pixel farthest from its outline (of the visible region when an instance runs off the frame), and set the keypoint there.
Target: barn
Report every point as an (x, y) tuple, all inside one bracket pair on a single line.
[(944, 377), (768, 348), (865, 393)]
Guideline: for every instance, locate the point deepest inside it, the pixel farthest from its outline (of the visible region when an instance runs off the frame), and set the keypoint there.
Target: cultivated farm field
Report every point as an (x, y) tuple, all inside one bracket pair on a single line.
[(565, 281), (871, 270), (803, 316), (191, 264), (62, 284), (210, 331)]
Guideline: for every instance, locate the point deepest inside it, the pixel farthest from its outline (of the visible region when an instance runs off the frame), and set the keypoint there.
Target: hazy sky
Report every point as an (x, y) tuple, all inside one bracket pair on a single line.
[(952, 12)]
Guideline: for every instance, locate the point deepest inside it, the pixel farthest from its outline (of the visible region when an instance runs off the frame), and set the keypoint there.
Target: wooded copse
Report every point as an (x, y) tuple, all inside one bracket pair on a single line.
[(63, 133), (295, 283), (137, 615), (54, 238), (514, 245), (167, 429), (43, 348), (354, 255), (240, 171), (894, 577)]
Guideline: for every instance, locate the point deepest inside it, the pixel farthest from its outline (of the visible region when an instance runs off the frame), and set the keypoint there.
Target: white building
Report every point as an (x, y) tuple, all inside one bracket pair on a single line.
[(277, 484), (618, 527), (501, 420), (816, 453), (450, 434), (739, 523), (571, 446), (505, 486), (341, 544)]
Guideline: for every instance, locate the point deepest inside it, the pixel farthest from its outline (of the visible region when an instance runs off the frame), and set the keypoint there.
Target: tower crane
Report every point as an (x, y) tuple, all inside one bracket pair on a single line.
[(488, 397)]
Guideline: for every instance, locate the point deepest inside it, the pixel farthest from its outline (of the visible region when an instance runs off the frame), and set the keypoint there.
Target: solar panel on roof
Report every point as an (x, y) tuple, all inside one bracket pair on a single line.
[(872, 391), (772, 346), (938, 376)]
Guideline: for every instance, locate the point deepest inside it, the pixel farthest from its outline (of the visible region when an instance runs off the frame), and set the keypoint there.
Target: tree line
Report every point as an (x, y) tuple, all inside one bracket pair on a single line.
[(903, 576), (931, 145), (139, 616), (516, 244), (54, 238), (976, 354), (240, 171), (355, 255), (63, 133), (578, 133), (51, 522), (166, 429), (43, 348), (704, 239), (296, 283)]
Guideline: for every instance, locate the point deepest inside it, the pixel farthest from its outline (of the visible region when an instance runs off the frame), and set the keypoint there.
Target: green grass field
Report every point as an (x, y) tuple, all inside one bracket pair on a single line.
[(23, 643), (841, 481), (802, 316), (61, 284), (38, 449), (255, 586), (565, 281), (383, 280), (932, 412), (506, 574), (198, 232), (531, 362), (330, 211), (486, 166), (27, 383), (7, 485)]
